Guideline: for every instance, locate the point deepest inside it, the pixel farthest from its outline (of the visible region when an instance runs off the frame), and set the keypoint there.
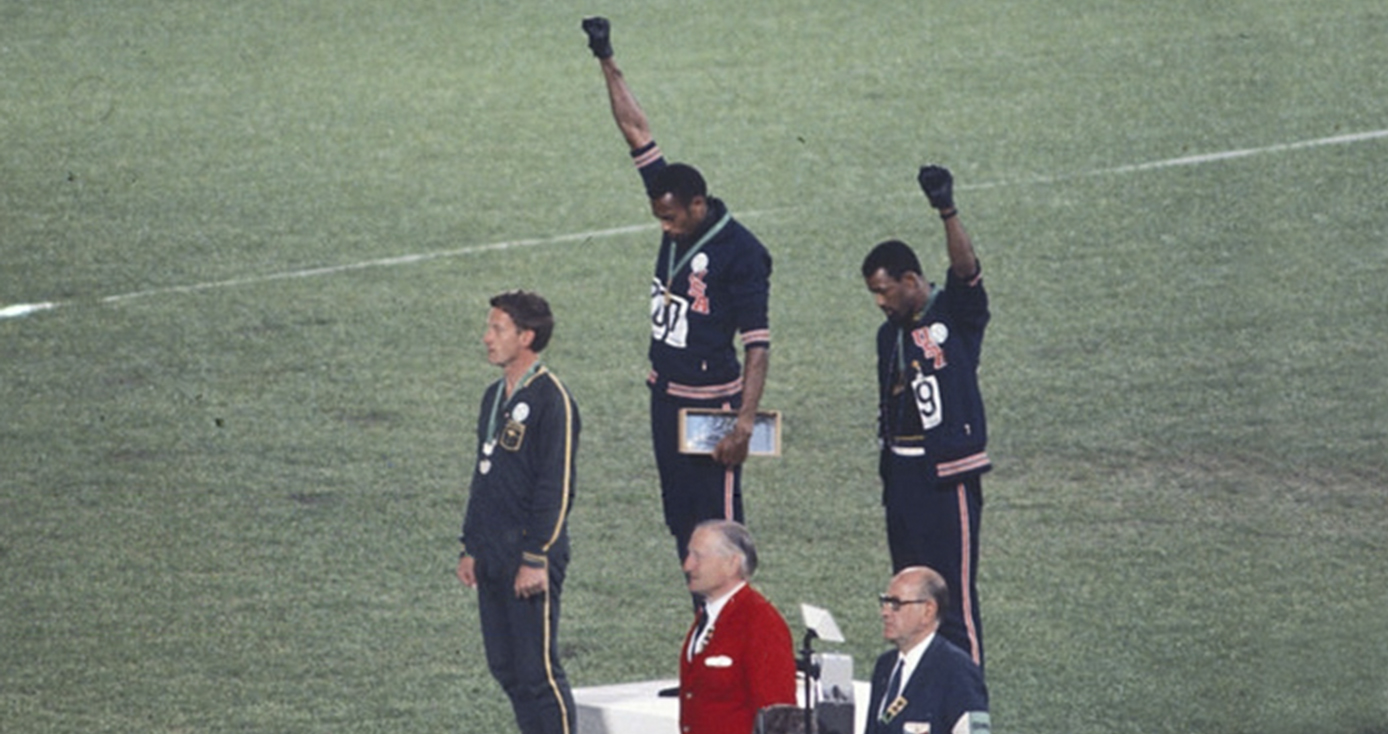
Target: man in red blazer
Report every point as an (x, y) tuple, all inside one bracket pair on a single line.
[(738, 656)]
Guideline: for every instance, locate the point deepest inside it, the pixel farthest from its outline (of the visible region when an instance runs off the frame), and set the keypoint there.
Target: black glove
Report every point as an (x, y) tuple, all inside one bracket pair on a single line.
[(599, 36), (938, 185)]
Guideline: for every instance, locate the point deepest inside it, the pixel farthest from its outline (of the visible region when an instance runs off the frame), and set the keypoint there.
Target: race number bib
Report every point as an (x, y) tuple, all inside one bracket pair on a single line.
[(669, 317), (927, 391)]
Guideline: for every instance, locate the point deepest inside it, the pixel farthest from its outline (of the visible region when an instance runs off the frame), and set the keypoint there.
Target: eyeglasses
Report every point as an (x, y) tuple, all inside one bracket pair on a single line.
[(896, 604)]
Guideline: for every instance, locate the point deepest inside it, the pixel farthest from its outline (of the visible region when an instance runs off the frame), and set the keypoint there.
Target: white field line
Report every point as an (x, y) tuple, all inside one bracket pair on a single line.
[(380, 263), (1195, 160), (24, 309)]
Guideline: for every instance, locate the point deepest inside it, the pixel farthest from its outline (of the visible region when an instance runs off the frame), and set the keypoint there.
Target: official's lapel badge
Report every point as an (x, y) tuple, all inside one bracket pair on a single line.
[(891, 711), (703, 642)]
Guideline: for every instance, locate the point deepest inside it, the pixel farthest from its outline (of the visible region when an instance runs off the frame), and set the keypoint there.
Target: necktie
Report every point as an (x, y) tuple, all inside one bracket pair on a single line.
[(696, 642), (893, 689)]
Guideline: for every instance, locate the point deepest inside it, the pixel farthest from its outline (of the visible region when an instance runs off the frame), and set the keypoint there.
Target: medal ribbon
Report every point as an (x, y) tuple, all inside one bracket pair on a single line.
[(497, 402), (673, 267), (901, 335)]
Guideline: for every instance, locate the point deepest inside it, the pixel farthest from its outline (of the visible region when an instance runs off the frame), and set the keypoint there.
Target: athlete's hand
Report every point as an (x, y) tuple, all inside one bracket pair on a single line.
[(732, 450), (531, 581), (938, 185), (467, 571), (599, 32)]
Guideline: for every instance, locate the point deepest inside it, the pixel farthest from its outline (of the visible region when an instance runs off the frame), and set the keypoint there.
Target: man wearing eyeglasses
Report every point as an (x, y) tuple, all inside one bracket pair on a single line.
[(926, 684)]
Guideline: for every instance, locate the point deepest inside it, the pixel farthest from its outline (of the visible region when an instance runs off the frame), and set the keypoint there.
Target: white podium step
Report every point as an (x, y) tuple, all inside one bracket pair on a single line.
[(636, 708)]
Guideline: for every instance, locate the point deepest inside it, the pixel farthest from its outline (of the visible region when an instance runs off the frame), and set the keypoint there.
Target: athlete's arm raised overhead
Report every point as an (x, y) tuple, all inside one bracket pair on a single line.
[(938, 184), (631, 119)]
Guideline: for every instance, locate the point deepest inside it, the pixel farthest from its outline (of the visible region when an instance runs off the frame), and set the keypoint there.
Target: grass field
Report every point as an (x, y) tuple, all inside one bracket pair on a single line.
[(233, 450)]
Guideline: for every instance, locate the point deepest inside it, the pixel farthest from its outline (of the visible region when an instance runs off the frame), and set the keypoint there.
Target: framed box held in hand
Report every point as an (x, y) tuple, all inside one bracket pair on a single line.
[(702, 428)]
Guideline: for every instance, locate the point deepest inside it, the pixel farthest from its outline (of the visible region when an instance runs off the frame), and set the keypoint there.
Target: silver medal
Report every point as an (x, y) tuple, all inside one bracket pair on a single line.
[(484, 466)]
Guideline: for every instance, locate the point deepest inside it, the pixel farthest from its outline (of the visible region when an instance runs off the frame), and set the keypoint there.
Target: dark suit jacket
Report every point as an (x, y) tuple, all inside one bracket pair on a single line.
[(945, 685), (747, 664)]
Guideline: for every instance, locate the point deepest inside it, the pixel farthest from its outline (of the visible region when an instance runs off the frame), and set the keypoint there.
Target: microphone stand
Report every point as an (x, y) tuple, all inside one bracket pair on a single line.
[(811, 671)]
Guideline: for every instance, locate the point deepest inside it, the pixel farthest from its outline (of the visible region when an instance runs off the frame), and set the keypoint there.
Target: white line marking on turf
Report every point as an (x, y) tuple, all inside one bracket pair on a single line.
[(1195, 160), (24, 309), (1232, 154), (380, 263)]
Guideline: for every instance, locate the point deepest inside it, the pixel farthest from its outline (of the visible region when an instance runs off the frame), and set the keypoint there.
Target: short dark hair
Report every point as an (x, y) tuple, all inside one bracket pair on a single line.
[(530, 312), (680, 180), (893, 256)]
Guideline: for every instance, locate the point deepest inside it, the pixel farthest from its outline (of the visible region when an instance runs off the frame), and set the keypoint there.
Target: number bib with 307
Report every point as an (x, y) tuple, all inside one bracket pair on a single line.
[(669, 317)]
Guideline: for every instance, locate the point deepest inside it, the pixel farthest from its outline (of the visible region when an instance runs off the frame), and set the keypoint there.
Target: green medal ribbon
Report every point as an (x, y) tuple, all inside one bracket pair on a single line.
[(901, 334), (673, 267), (497, 402)]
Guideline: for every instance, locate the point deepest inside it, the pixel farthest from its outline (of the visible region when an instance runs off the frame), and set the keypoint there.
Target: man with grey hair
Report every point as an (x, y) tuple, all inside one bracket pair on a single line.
[(738, 656), (926, 683)]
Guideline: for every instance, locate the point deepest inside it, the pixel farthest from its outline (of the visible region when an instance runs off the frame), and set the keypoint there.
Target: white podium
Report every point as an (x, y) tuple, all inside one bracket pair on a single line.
[(636, 708), (627, 708)]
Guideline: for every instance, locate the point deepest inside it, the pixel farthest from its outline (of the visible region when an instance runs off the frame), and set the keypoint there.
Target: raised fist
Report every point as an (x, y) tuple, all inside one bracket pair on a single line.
[(599, 36), (938, 185)]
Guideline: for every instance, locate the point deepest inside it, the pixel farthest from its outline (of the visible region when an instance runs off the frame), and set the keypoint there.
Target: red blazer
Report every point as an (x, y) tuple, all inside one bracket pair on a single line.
[(747, 664)]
